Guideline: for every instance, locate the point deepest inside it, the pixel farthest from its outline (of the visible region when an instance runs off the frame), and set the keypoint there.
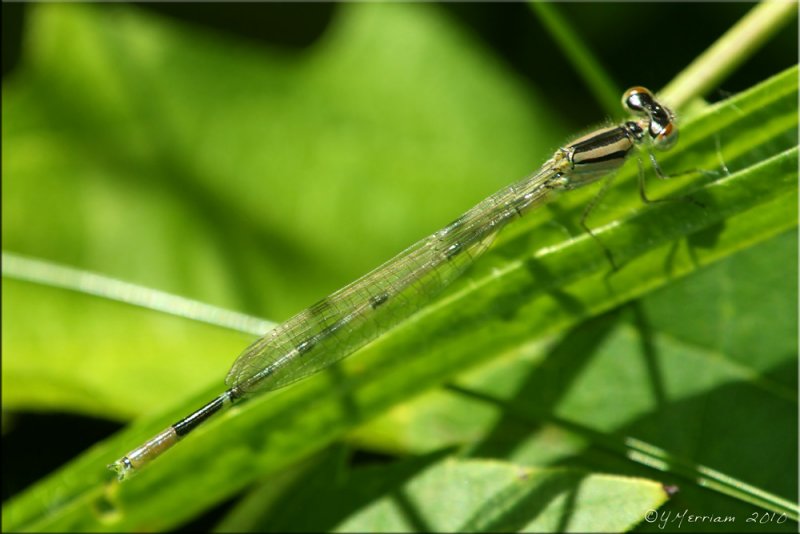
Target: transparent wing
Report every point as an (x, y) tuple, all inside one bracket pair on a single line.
[(340, 324)]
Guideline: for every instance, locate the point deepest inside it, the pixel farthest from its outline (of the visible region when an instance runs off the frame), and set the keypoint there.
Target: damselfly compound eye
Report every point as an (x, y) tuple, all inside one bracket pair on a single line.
[(667, 137), (639, 100)]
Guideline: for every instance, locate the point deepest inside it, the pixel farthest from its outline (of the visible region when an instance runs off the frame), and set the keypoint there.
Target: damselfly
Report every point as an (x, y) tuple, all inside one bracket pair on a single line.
[(340, 324)]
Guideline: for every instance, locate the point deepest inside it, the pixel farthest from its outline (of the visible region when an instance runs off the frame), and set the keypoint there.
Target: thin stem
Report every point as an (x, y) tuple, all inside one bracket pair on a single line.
[(580, 56), (730, 51), (55, 275)]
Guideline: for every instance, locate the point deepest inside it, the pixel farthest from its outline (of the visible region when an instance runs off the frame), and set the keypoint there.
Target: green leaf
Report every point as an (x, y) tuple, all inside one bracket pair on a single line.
[(255, 193), (73, 377), (715, 388), (482, 496)]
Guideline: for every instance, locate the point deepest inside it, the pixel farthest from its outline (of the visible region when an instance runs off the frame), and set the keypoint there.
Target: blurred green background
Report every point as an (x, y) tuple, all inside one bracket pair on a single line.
[(259, 156)]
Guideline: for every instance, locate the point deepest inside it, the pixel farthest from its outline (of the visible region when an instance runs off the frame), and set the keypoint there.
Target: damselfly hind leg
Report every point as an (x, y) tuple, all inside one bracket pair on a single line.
[(588, 209)]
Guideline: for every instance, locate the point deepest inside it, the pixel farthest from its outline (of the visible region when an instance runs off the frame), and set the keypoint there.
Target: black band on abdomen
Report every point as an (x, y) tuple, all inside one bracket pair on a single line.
[(187, 424)]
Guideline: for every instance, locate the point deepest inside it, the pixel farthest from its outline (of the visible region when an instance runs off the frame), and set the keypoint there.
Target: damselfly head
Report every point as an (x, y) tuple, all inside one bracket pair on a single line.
[(660, 123)]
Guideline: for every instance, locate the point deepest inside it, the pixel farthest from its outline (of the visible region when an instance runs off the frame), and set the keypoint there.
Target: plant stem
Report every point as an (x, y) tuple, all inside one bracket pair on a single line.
[(730, 51), (580, 56)]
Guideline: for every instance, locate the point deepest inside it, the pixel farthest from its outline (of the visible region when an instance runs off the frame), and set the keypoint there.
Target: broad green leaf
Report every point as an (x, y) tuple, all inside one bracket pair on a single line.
[(669, 379), (482, 495), (500, 497), (61, 372), (127, 154)]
